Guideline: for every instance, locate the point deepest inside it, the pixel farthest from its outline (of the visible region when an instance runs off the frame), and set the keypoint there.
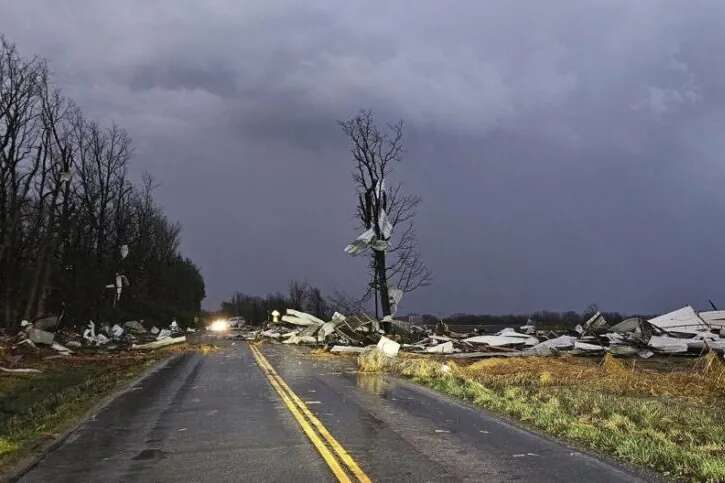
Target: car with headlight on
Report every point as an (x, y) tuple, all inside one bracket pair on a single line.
[(219, 326)]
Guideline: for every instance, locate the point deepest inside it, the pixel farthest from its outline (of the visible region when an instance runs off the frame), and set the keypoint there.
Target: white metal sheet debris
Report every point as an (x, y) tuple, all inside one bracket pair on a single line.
[(296, 317), (683, 320), (337, 349), (584, 346), (596, 324), (561, 342), (444, 348), (715, 318), (667, 344), (361, 243), (506, 337)]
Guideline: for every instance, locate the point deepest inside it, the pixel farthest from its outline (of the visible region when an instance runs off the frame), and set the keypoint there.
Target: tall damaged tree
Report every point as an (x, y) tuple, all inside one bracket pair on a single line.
[(385, 212)]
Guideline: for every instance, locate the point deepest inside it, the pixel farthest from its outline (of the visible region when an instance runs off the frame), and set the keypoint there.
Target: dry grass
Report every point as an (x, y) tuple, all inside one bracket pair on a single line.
[(668, 420), (374, 361)]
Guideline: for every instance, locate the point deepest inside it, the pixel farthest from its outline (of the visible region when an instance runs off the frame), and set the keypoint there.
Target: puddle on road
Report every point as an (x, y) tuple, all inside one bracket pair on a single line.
[(372, 383)]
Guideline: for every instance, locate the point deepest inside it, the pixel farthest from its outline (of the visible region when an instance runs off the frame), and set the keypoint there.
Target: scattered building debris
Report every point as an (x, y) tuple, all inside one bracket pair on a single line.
[(336, 349), (135, 327), (55, 340), (681, 332), (38, 336), (21, 371), (682, 321), (160, 343)]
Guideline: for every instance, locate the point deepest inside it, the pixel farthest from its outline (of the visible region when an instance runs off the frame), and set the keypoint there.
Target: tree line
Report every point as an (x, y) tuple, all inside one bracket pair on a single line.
[(300, 296), (544, 319), (77, 235)]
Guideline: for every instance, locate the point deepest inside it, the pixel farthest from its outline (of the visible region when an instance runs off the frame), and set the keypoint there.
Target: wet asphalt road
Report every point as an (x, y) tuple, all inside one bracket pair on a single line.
[(215, 417)]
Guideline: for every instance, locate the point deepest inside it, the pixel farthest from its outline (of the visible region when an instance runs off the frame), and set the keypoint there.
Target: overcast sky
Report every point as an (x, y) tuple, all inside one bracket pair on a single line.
[(567, 152)]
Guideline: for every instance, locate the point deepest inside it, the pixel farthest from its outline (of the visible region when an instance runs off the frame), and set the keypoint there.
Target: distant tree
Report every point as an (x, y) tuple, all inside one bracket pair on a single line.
[(590, 310), (297, 294), (395, 261), (317, 305)]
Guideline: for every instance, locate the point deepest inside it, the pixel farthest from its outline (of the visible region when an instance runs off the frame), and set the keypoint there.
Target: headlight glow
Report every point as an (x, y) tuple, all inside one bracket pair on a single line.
[(219, 326)]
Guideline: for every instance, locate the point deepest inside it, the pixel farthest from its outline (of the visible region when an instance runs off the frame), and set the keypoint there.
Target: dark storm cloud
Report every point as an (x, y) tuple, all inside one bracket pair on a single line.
[(215, 79), (568, 152)]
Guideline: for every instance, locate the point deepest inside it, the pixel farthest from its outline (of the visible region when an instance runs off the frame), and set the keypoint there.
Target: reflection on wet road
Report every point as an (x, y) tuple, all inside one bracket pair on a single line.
[(399, 431), (216, 417)]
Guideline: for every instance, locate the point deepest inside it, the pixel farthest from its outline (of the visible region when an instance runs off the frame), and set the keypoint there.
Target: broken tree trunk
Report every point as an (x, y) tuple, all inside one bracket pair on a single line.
[(382, 286)]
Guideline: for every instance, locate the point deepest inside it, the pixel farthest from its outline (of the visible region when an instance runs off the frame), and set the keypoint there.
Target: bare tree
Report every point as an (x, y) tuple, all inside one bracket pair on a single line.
[(67, 206), (23, 154), (297, 294), (384, 211)]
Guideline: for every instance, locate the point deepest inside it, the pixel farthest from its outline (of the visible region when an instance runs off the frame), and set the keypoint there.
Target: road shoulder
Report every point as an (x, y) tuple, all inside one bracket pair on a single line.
[(27, 462)]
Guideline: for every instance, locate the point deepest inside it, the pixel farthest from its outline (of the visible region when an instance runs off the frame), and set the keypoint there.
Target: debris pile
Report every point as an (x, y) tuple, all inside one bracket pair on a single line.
[(682, 331), (297, 327), (47, 338)]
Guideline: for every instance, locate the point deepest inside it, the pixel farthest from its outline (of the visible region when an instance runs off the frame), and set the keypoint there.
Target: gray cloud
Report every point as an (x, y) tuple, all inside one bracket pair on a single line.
[(568, 152)]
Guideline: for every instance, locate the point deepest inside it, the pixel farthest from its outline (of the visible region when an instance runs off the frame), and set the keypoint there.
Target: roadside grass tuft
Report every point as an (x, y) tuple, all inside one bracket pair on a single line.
[(373, 361), (668, 420)]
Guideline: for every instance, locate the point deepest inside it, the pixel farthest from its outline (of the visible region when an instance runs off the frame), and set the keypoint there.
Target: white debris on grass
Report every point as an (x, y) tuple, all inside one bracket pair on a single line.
[(61, 349), (157, 344), (20, 371), (388, 347), (338, 349)]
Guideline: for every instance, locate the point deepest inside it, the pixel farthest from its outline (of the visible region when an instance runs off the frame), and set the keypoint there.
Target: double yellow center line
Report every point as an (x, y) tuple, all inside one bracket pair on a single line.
[(330, 449)]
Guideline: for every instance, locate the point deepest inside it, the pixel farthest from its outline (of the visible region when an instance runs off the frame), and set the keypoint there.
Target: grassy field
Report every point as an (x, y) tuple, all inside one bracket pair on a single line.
[(36, 408), (666, 415)]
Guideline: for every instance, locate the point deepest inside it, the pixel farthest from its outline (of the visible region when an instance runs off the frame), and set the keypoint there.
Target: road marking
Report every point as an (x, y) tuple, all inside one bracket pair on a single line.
[(298, 405), (316, 441), (336, 446)]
